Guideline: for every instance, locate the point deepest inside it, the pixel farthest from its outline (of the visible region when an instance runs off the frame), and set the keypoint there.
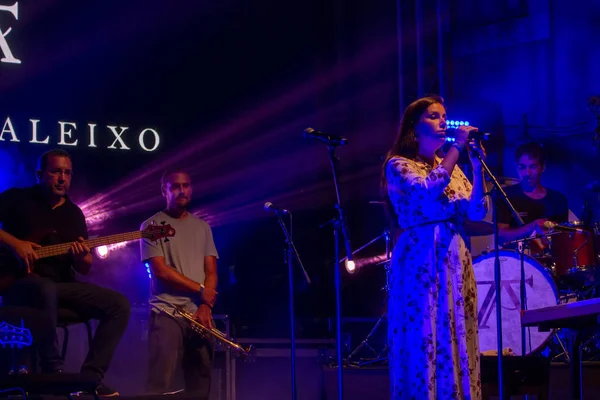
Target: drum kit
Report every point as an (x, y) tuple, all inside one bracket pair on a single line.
[(567, 270)]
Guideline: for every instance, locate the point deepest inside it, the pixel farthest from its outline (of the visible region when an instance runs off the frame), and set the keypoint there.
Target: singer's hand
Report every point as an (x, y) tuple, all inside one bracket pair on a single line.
[(474, 147), (462, 135)]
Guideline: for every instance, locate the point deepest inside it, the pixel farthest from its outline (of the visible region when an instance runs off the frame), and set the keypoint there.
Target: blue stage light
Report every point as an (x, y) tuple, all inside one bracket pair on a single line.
[(453, 124)]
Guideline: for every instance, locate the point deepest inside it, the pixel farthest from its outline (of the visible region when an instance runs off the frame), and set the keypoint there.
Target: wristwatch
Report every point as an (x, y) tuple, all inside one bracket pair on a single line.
[(201, 289)]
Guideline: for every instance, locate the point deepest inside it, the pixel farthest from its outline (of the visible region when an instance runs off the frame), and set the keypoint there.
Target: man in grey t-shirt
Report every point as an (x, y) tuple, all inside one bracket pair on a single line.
[(184, 273)]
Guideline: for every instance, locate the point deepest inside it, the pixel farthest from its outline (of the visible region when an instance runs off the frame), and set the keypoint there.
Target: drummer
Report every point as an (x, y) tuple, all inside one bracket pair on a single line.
[(535, 203)]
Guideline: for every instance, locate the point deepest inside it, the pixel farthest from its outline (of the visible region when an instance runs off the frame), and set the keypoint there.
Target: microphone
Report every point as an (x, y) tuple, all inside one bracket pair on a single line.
[(473, 135), (270, 207), (557, 227), (331, 140)]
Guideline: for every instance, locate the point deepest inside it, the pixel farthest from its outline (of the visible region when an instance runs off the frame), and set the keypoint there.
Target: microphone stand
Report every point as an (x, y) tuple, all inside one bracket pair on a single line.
[(340, 228), (497, 272), (291, 249)]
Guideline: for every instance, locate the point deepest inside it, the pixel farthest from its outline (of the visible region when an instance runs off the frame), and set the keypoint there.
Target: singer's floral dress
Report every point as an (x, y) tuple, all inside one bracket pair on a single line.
[(432, 310)]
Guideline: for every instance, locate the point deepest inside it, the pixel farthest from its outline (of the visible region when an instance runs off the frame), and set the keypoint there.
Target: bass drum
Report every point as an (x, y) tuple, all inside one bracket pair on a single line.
[(540, 291)]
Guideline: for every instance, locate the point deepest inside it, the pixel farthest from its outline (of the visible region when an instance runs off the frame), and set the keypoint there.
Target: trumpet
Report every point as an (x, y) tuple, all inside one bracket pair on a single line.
[(210, 333)]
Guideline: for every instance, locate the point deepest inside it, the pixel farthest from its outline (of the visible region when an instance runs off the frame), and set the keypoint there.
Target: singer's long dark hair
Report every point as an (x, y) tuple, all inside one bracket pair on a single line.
[(405, 144)]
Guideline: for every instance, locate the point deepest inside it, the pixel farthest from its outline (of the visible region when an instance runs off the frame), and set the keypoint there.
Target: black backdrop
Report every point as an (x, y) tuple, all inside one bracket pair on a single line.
[(229, 86)]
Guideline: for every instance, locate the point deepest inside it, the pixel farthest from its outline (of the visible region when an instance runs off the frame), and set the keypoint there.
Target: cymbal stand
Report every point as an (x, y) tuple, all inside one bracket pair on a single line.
[(385, 235), (565, 352), (590, 349), (563, 299), (382, 355)]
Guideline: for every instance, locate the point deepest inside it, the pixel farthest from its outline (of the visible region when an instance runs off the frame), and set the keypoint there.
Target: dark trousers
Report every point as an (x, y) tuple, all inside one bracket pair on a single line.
[(41, 295), (88, 301), (172, 342), (39, 326)]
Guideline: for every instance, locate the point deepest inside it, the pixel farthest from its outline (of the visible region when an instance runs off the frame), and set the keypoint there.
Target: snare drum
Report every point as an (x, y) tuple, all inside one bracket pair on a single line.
[(540, 291), (573, 251)]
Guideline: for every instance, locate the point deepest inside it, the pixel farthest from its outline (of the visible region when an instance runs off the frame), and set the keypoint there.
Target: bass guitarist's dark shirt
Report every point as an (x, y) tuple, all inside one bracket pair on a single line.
[(25, 214)]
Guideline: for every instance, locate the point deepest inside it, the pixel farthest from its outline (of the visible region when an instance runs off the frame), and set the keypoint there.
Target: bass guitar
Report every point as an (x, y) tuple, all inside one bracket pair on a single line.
[(151, 232)]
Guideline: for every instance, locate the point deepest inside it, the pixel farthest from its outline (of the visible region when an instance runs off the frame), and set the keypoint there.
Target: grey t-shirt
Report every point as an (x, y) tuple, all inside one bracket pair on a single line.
[(184, 252)]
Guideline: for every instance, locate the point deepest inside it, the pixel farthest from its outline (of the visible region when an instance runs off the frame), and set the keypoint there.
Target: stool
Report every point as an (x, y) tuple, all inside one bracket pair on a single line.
[(67, 317)]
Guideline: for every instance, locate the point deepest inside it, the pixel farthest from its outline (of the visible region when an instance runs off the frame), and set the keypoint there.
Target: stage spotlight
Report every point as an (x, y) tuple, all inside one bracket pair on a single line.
[(102, 252), (453, 124), (350, 266), (359, 263), (456, 123)]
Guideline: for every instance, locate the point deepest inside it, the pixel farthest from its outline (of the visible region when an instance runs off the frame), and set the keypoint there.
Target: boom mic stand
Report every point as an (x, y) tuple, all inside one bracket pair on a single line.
[(497, 273), (340, 229), (291, 250)]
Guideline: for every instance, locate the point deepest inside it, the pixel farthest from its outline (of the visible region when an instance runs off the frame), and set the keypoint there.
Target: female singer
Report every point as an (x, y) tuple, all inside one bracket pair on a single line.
[(432, 307)]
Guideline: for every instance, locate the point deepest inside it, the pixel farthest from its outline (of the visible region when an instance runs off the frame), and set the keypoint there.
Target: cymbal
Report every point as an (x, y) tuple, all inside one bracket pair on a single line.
[(504, 181), (478, 228), (377, 202)]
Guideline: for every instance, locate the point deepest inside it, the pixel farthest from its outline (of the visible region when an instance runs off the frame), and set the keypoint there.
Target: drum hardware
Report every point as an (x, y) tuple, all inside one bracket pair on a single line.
[(564, 350), (587, 292), (590, 349), (573, 252), (381, 356), (563, 265), (591, 346), (566, 296), (575, 258), (548, 263)]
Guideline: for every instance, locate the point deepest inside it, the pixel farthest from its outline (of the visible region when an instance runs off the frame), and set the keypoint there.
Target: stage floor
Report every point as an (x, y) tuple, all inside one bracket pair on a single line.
[(267, 381)]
